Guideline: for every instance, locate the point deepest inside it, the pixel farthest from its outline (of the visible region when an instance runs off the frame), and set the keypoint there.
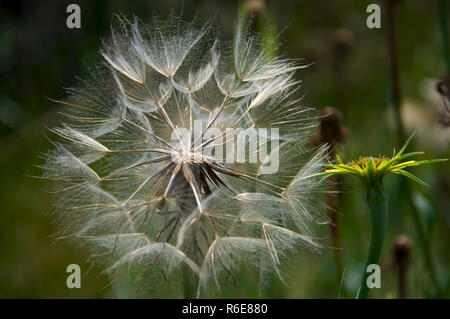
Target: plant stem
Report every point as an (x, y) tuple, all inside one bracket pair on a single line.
[(444, 33), (333, 133), (377, 203), (394, 70), (404, 190), (425, 245), (402, 248)]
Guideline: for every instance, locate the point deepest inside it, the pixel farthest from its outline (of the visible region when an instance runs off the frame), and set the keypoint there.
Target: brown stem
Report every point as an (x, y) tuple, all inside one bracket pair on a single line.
[(393, 64), (402, 248), (332, 133), (342, 45)]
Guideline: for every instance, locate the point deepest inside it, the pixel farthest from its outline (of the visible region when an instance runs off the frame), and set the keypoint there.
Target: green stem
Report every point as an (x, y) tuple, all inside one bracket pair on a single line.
[(425, 245), (377, 203)]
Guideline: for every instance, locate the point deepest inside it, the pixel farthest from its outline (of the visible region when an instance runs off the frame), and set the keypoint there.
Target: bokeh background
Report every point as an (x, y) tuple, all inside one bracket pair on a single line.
[(352, 68)]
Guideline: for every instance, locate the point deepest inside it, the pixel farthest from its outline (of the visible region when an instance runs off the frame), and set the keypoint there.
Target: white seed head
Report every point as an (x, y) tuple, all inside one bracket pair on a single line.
[(152, 202)]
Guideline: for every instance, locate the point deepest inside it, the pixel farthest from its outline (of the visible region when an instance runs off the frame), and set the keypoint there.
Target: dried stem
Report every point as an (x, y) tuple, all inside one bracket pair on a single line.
[(394, 69), (402, 248), (332, 133)]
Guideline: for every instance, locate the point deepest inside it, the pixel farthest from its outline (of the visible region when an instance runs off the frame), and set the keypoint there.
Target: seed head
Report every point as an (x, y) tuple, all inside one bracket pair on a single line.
[(140, 177)]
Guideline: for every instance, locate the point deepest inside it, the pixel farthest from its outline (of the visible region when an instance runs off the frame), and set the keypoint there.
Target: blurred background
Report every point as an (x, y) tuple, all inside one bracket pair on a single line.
[(379, 85)]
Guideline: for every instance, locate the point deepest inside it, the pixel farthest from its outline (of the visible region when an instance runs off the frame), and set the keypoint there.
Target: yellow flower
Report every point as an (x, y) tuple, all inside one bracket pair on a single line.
[(373, 169)]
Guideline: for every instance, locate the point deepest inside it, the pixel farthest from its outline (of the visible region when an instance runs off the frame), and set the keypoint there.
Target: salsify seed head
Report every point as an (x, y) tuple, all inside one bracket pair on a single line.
[(140, 178)]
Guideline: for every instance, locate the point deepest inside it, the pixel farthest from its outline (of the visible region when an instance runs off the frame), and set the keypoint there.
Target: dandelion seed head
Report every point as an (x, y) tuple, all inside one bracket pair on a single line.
[(151, 202)]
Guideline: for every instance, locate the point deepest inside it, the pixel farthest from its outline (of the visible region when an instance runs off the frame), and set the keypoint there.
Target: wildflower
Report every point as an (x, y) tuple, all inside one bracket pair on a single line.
[(144, 193), (371, 172)]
